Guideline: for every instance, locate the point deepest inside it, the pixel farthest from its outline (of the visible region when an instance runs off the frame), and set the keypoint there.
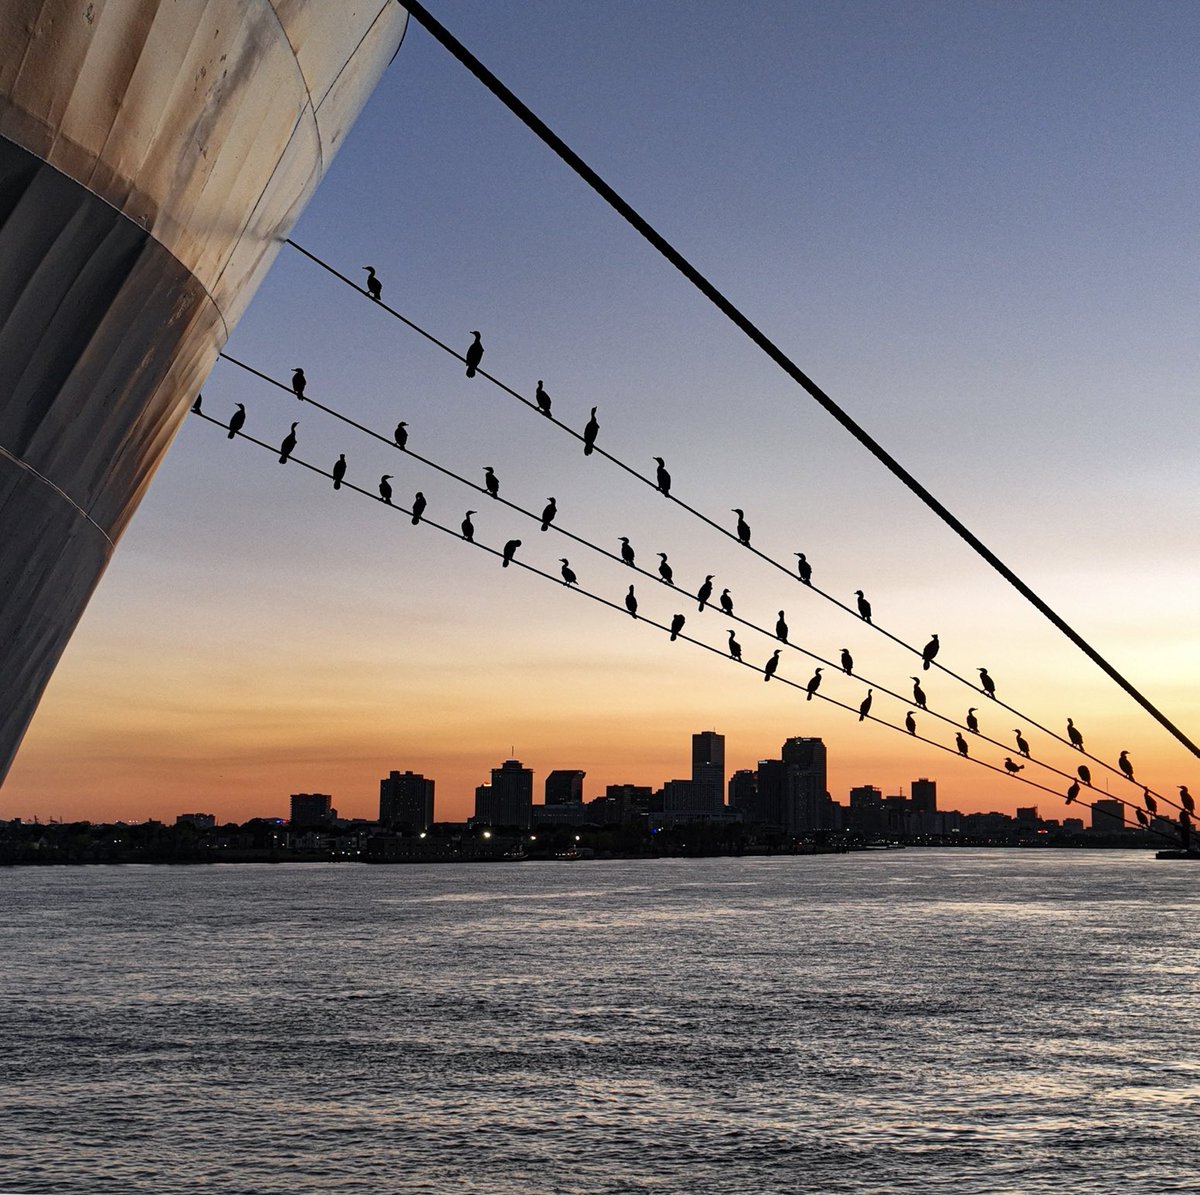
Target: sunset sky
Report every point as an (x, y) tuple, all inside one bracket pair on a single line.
[(974, 225)]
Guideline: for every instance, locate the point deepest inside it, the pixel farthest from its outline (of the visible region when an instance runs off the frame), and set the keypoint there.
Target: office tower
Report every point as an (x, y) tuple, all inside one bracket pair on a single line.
[(743, 785), (564, 786), (866, 810), (1108, 815), (312, 809), (406, 801), (512, 795), (805, 796), (708, 771), (924, 796)]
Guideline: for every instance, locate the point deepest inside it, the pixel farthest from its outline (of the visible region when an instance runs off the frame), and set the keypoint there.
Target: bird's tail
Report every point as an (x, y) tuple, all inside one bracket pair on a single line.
[(587, 450), (337, 485), (809, 697), (283, 458), (416, 519), (925, 665), (545, 525), (470, 371), (504, 563), (232, 433)]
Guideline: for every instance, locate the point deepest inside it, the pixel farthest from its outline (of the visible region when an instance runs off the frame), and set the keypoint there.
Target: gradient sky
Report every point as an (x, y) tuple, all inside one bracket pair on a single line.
[(974, 225)]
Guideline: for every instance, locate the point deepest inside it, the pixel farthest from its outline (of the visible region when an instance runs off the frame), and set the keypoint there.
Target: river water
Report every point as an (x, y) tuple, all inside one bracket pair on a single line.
[(932, 1021)]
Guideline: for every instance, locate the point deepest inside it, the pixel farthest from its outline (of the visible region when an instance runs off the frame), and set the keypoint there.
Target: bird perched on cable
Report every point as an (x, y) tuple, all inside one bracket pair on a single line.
[(339, 471), (677, 626), (662, 477), (542, 398), (1143, 820), (664, 569), (491, 482), (865, 706), (781, 628), (910, 723), (726, 601), (771, 665), (1185, 799), (385, 490), (299, 381), (847, 662), (401, 435), (1072, 792), (864, 607), (627, 552), (972, 721), (374, 286), (986, 683), (813, 685), (1150, 803), (929, 651), (510, 550), (568, 573), (1085, 774), (235, 420), (418, 507), (468, 528), (960, 742), (918, 693), (803, 567), (548, 513), (1074, 736), (705, 591), (631, 602), (197, 403), (288, 446), (1012, 768), (1022, 745), (474, 354), (735, 648), (589, 434), (743, 528), (1124, 764)]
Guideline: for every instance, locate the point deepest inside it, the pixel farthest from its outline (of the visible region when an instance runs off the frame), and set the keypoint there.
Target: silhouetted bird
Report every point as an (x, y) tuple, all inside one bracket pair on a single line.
[(847, 662), (589, 434), (813, 685), (864, 607), (1150, 803), (986, 683), (548, 514), (1141, 816), (543, 399), (491, 482), (771, 665), (743, 528), (627, 553), (288, 446), (374, 286), (631, 602), (1085, 774), (196, 404), (510, 550), (931, 650), (418, 507), (1185, 799), (960, 743), (299, 381), (664, 569), (236, 420), (677, 626), (910, 723), (385, 490), (803, 567), (474, 355), (972, 721), (1012, 768), (781, 628), (401, 434), (705, 591), (1124, 764), (663, 477), (1073, 734), (726, 601), (339, 471), (568, 573), (918, 693), (865, 705), (735, 648), (468, 528), (1072, 792), (1022, 745)]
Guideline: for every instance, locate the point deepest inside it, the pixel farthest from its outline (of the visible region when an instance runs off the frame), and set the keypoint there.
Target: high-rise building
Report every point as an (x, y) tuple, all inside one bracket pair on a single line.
[(866, 810), (510, 800), (312, 809), (1108, 815), (743, 785), (805, 798), (406, 801), (708, 771), (564, 786), (924, 796)]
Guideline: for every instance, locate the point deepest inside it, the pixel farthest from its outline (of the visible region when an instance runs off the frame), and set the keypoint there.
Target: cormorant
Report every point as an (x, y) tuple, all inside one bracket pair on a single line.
[(1143, 820), (401, 434), (705, 591), (726, 601), (735, 648), (931, 650), (1150, 803), (677, 626), (813, 685), (1072, 792), (960, 742), (510, 550), (568, 573), (385, 490), (803, 567), (299, 381), (236, 420), (986, 683), (374, 286), (781, 628), (1124, 764), (196, 404), (589, 434), (1075, 737), (743, 528), (474, 355), (418, 507), (339, 470), (847, 662), (1012, 768), (288, 445), (1085, 774), (631, 602), (910, 723), (663, 477), (664, 569), (864, 607), (918, 693), (1022, 745), (543, 399), (771, 665), (1185, 799), (627, 553), (491, 482), (972, 721), (865, 706), (468, 528), (549, 513)]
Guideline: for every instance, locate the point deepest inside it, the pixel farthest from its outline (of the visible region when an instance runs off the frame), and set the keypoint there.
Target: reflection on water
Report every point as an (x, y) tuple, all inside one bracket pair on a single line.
[(997, 1021)]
